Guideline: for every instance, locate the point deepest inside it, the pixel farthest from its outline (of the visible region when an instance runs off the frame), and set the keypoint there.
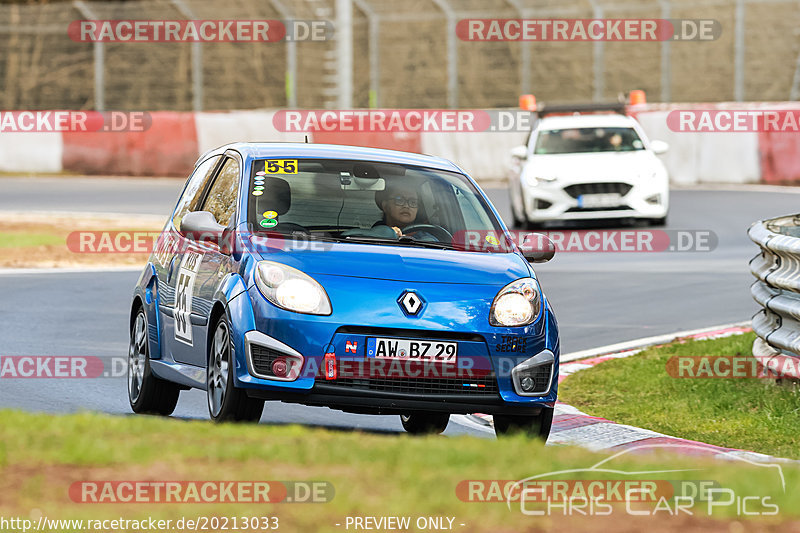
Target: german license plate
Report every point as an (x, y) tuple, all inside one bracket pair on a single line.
[(599, 200), (413, 350)]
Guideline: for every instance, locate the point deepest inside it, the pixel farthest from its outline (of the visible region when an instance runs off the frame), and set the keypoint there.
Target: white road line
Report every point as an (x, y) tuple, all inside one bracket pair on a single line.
[(736, 187), (464, 420), (44, 215), (66, 270), (645, 342)]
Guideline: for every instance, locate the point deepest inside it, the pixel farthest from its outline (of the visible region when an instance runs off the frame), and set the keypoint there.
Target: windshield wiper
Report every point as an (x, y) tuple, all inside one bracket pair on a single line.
[(294, 235), (426, 244), (402, 241)]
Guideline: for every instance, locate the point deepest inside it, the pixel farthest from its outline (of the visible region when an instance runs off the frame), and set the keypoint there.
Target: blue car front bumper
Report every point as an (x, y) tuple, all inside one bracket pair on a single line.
[(452, 313)]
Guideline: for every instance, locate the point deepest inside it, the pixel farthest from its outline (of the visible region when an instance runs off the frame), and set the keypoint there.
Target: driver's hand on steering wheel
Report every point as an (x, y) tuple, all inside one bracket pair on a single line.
[(398, 231)]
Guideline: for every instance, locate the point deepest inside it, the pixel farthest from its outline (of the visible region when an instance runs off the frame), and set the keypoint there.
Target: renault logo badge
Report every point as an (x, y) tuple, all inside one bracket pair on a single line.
[(411, 303)]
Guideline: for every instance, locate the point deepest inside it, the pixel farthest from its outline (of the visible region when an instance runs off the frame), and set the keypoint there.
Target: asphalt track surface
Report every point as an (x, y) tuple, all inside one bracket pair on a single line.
[(599, 298)]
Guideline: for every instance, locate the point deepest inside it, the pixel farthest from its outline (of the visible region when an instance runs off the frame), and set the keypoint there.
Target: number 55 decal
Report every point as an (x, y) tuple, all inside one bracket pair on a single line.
[(281, 166), (183, 296)]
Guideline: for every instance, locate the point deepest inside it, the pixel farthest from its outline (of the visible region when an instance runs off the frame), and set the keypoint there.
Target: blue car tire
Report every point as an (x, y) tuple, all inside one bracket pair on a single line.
[(421, 422), (227, 403), (532, 426), (146, 392)]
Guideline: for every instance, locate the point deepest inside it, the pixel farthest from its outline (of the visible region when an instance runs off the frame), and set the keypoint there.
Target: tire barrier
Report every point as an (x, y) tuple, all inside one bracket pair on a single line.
[(777, 291), (167, 148)]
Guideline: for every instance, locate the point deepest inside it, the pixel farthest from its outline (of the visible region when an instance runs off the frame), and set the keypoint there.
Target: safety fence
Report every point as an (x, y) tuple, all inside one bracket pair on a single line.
[(401, 54), (777, 291)]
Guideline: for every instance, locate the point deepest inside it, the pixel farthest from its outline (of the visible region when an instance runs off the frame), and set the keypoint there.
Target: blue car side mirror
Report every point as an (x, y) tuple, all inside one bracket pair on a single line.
[(201, 226), (538, 248)]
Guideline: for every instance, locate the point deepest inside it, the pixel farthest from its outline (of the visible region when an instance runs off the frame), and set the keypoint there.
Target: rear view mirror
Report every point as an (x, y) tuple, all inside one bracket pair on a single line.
[(520, 152), (538, 248), (355, 183)]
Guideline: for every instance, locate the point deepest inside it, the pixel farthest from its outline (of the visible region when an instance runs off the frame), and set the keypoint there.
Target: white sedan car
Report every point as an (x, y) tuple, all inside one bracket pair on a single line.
[(588, 167)]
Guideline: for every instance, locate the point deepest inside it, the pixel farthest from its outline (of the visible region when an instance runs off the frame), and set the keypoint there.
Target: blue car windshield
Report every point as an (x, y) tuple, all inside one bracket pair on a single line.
[(367, 202)]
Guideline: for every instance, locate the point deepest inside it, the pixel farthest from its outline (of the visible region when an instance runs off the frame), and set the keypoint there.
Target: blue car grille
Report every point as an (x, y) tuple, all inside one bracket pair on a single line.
[(541, 378), (263, 358), (484, 385)]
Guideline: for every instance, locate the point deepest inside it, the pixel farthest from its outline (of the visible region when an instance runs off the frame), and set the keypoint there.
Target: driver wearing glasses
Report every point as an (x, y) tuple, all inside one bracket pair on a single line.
[(400, 206)]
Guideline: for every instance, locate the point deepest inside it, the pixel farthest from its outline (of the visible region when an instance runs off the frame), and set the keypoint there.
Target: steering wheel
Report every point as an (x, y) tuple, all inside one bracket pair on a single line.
[(441, 234)]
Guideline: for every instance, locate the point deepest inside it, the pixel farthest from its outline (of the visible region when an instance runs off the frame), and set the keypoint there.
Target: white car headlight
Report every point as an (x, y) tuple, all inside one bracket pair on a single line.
[(517, 304), (533, 178), (291, 289)]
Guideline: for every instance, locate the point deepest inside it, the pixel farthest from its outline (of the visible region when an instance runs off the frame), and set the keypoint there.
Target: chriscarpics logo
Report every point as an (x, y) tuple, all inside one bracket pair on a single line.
[(609, 487)]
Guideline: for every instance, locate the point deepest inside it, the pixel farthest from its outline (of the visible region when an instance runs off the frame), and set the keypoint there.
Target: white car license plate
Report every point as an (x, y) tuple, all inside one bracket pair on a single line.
[(413, 350), (600, 200)]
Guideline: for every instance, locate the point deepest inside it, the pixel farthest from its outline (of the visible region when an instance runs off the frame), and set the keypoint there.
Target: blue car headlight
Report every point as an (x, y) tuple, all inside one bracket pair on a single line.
[(517, 304), (291, 289)]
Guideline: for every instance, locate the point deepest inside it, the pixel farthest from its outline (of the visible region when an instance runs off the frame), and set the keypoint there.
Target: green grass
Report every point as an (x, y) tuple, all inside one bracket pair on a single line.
[(26, 240), (750, 414), (373, 474)]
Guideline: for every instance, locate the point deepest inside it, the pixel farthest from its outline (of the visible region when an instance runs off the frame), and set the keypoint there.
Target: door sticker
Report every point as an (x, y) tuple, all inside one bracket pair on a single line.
[(164, 248), (183, 296)]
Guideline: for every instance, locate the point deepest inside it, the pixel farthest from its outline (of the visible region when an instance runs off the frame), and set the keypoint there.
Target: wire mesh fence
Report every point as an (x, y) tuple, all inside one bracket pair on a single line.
[(405, 55)]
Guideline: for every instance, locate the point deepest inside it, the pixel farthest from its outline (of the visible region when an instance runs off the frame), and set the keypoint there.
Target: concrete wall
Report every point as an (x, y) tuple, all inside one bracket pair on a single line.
[(175, 139)]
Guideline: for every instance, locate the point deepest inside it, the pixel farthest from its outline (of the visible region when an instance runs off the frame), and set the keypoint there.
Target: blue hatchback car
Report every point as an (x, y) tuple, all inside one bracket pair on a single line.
[(370, 281)]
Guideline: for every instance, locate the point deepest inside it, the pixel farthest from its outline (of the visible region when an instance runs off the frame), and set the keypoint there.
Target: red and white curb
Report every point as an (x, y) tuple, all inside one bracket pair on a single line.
[(574, 427)]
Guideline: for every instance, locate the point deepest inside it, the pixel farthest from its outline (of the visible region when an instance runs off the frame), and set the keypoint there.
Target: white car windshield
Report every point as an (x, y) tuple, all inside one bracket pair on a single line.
[(583, 140)]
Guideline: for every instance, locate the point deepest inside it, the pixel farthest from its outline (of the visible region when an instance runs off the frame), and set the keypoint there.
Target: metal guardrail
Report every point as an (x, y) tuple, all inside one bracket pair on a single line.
[(777, 291)]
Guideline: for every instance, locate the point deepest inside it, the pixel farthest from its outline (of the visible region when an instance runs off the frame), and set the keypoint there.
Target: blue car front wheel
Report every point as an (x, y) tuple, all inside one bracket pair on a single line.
[(532, 426), (420, 423), (226, 403)]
